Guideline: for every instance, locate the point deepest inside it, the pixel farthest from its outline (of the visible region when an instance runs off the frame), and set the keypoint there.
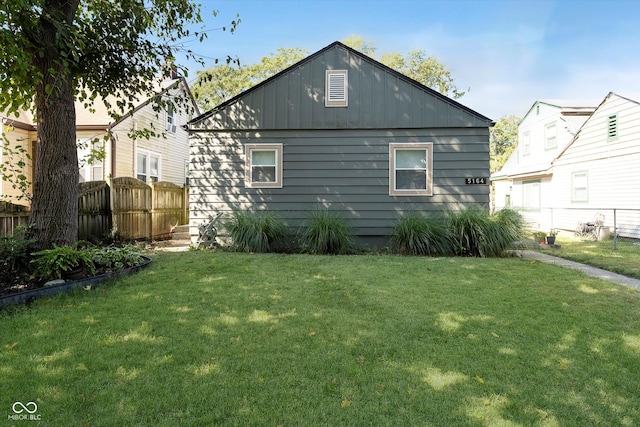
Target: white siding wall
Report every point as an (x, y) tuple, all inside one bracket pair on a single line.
[(611, 166), (173, 149)]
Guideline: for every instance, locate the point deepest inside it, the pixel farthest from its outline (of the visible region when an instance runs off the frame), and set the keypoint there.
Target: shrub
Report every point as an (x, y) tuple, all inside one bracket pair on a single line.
[(419, 235), (86, 259), (55, 262), (14, 254), (113, 258), (255, 231), (328, 232), (474, 232)]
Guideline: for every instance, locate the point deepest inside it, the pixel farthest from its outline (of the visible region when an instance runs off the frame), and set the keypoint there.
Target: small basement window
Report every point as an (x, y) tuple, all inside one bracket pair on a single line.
[(410, 169), (263, 166), (336, 88)]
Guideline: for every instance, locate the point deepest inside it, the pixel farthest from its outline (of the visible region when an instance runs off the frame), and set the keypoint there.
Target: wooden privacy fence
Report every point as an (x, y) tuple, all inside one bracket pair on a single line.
[(126, 207), (11, 216)]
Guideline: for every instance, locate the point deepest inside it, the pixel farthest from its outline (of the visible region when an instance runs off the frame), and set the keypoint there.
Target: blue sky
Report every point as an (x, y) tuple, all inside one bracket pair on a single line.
[(509, 53)]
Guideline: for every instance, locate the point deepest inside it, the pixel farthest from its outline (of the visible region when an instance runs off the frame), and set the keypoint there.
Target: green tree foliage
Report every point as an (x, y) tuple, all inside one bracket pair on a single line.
[(53, 52), (356, 42), (215, 85), (424, 69), (222, 82), (417, 65), (503, 139)]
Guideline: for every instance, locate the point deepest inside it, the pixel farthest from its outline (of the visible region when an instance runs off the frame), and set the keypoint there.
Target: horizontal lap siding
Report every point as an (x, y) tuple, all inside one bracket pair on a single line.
[(611, 166), (346, 171)]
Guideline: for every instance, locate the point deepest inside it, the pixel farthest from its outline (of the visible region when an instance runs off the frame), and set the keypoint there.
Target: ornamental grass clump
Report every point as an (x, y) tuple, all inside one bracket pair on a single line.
[(474, 232), (414, 234), (255, 231), (509, 228), (328, 232)]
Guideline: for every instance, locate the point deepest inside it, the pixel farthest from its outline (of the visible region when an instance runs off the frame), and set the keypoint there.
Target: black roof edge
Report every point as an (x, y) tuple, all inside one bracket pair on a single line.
[(435, 93)]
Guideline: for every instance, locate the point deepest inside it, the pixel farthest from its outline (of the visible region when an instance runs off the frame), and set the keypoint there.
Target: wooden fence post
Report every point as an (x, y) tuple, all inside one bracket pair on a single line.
[(185, 204)]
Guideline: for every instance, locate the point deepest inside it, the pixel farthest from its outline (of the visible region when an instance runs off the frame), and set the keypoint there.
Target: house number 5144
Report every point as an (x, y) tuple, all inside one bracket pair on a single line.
[(470, 181)]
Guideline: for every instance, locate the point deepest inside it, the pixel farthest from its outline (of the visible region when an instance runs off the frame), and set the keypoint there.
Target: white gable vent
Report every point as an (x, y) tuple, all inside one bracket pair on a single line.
[(336, 88)]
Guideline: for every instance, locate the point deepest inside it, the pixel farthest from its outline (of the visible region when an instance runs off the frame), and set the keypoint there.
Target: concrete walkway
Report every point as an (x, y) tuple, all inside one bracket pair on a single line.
[(586, 269)]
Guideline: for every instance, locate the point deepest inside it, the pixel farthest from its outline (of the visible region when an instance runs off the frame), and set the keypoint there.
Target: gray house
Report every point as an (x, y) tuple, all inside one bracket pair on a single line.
[(341, 131)]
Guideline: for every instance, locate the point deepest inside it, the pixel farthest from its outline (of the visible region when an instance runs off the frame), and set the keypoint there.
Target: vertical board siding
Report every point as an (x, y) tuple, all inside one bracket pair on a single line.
[(378, 98)]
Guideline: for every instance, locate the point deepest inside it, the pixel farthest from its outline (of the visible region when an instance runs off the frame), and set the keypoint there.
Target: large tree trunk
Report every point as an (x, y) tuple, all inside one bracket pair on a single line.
[(54, 209)]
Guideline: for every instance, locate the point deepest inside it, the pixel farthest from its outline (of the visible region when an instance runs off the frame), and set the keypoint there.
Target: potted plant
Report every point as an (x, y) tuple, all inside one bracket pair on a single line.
[(551, 237), (63, 262), (540, 236)]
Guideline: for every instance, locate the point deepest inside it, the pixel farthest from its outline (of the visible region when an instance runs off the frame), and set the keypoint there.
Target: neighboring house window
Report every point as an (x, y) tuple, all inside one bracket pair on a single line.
[(526, 144), (96, 163), (263, 165), (90, 158), (410, 169), (336, 90), (531, 195), (171, 120), (550, 136), (148, 166), (612, 127), (579, 187)]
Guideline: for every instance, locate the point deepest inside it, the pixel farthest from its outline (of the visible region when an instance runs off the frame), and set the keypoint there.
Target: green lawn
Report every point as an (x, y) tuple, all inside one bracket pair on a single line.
[(624, 259), (204, 338)]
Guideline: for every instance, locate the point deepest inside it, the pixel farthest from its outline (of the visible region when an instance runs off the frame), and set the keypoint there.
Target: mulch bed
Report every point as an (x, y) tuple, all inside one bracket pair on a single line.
[(14, 282)]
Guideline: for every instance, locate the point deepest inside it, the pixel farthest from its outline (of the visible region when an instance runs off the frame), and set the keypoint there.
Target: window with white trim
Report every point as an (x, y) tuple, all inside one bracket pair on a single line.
[(526, 144), (531, 195), (263, 166), (410, 169), (336, 88), (148, 165), (171, 118), (96, 165), (579, 186), (90, 158), (550, 136)]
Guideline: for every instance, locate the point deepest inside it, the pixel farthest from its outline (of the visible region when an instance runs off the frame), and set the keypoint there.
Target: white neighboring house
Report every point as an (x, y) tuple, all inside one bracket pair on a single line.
[(154, 159), (591, 174), (525, 181)]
